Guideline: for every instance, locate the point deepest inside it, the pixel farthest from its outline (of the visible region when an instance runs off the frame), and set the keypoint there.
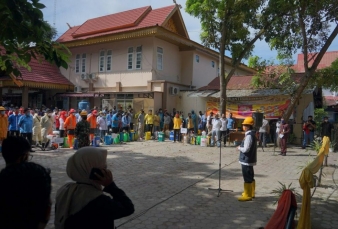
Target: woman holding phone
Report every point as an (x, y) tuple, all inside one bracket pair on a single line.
[(82, 203)]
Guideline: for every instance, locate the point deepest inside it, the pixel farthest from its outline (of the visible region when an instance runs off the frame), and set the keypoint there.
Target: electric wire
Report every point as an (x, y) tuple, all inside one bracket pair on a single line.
[(175, 194)]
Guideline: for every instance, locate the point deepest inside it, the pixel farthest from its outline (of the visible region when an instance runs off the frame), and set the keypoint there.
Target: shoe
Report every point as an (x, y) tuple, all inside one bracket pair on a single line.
[(247, 196), (253, 186), (284, 154), (32, 151)]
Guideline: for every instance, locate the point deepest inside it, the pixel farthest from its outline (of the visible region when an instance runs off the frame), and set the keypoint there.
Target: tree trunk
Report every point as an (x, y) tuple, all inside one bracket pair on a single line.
[(222, 81)]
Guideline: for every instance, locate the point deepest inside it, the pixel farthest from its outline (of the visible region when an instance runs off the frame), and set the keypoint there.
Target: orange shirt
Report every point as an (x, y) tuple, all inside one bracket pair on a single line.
[(92, 121), (70, 122)]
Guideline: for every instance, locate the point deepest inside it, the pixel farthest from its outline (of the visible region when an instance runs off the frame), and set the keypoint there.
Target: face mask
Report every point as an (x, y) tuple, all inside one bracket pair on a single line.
[(2, 112)]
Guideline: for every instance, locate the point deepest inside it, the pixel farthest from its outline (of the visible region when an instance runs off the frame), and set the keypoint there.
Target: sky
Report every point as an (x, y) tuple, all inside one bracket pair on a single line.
[(75, 12)]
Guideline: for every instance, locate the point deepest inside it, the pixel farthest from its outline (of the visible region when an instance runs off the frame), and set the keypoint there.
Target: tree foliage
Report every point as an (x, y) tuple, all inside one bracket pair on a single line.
[(326, 77), (25, 35)]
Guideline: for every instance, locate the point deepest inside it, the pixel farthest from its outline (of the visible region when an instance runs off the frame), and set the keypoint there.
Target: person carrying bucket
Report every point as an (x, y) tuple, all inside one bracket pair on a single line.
[(93, 124), (69, 125), (82, 130)]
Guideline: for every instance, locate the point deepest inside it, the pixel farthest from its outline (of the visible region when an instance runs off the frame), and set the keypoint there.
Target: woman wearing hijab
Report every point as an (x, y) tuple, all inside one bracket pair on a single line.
[(82, 203)]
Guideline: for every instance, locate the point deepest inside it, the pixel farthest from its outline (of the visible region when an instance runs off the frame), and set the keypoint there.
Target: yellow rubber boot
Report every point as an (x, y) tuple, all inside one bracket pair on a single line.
[(247, 192), (253, 186)]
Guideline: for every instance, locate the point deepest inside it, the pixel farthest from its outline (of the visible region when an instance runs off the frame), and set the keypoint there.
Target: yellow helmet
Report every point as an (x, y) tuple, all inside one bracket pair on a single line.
[(83, 112), (2, 108), (248, 121)]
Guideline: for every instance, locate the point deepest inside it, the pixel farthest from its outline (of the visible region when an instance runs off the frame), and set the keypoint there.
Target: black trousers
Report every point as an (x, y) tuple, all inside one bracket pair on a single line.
[(150, 128), (62, 133), (248, 173), (14, 133), (224, 135), (177, 135), (28, 136)]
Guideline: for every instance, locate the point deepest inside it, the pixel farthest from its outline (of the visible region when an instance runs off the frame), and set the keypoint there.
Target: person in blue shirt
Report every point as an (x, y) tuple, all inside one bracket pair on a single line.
[(126, 122), (115, 123), (203, 121), (109, 121), (13, 121), (161, 115), (26, 126), (231, 124)]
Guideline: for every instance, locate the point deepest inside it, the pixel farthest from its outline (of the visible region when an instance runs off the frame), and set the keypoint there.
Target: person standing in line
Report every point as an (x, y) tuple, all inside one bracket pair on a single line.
[(248, 159), (3, 124), (102, 123), (140, 120), (230, 124), (13, 121), (26, 126), (62, 119), (263, 130), (190, 123), (115, 123), (82, 130), (157, 122), (209, 122), (216, 133), (93, 124), (223, 129), (284, 134), (37, 138), (195, 121), (149, 121), (166, 122), (277, 139), (309, 131), (70, 125), (327, 128), (57, 120), (177, 127), (46, 127), (161, 115), (126, 121), (109, 119)]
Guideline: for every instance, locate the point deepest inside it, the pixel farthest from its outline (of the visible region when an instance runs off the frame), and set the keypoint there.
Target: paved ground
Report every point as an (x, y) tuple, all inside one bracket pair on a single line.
[(168, 184)]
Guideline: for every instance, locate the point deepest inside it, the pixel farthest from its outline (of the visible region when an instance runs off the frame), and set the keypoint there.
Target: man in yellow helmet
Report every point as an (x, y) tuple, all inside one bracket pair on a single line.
[(248, 158)]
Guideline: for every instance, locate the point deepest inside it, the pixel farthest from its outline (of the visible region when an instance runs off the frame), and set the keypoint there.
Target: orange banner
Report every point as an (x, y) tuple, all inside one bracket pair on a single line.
[(273, 110)]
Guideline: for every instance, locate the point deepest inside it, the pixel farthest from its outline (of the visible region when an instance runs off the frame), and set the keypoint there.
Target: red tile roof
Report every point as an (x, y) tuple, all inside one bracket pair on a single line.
[(331, 100), (120, 22), (326, 61), (235, 83), (44, 72)]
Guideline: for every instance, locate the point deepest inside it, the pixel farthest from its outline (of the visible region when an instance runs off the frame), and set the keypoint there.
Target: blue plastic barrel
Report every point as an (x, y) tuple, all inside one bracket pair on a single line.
[(76, 144), (107, 140), (96, 141), (171, 136), (121, 136), (84, 105)]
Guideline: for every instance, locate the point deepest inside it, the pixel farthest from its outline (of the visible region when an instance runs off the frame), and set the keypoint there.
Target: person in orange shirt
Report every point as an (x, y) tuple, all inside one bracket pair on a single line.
[(93, 124), (70, 125), (3, 124)]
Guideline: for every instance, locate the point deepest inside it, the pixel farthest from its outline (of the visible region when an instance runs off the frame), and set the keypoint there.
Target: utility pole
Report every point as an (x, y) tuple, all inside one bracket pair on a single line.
[(54, 16)]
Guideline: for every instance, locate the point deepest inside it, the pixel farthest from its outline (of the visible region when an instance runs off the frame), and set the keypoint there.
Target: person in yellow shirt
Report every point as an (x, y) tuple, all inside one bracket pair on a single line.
[(156, 122), (149, 121), (177, 126)]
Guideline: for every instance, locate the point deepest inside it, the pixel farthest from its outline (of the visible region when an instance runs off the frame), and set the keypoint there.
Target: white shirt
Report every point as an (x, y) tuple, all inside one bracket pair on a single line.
[(62, 124), (224, 124), (277, 127), (216, 124), (246, 147)]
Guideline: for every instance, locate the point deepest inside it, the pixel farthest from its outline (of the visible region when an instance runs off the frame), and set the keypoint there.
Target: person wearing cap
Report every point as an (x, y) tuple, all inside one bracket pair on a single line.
[(248, 159), (92, 119), (3, 124), (26, 126), (46, 126), (70, 125), (82, 130), (13, 121)]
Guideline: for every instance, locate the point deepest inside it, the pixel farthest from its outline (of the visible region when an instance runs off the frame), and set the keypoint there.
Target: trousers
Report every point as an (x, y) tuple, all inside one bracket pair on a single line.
[(248, 173)]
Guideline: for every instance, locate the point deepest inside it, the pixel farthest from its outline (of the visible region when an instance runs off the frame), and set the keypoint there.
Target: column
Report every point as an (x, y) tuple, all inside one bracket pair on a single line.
[(24, 101)]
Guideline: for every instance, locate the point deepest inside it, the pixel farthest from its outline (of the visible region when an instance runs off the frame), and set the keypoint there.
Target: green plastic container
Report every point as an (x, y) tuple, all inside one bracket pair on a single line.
[(117, 140), (65, 143), (160, 137), (126, 137), (198, 140)]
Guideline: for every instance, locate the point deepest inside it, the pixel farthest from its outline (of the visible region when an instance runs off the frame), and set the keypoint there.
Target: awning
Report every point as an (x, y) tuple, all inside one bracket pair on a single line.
[(85, 95), (206, 93)]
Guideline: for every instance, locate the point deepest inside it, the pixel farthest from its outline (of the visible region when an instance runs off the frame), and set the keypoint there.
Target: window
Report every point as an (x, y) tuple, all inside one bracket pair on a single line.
[(83, 63), (139, 57), (159, 58), (101, 61), (109, 60), (130, 58), (197, 58), (213, 64), (77, 63)]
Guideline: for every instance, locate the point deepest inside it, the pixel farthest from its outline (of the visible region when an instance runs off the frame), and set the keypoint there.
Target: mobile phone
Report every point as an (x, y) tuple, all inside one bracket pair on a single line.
[(92, 175)]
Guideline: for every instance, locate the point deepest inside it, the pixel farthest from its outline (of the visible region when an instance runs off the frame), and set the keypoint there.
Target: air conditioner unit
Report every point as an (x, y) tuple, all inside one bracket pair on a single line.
[(77, 89), (93, 76), (84, 76), (174, 90)]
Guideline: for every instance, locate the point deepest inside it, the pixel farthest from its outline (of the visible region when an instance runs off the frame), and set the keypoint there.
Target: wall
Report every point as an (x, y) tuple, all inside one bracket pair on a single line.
[(187, 67), (203, 72), (186, 104)]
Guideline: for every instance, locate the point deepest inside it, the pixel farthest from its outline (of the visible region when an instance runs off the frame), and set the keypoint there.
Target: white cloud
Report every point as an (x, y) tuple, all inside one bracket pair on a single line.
[(77, 12)]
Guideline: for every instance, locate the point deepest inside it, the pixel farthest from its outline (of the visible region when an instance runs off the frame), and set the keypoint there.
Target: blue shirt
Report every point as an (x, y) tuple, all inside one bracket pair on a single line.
[(115, 121), (231, 122), (13, 121), (26, 124), (108, 119), (126, 121)]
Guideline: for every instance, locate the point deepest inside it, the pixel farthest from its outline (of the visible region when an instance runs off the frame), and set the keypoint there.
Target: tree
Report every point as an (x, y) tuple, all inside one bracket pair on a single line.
[(25, 35), (233, 25), (307, 27)]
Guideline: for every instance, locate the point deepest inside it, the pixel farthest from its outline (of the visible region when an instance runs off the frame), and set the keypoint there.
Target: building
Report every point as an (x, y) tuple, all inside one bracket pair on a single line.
[(36, 87), (141, 57)]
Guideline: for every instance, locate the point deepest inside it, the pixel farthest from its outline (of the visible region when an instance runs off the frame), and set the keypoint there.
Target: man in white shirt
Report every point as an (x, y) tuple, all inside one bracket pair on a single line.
[(223, 129), (209, 122), (216, 126), (263, 131)]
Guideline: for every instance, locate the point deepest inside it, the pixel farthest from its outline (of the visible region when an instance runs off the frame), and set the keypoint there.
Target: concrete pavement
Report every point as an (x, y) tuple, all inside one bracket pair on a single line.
[(168, 184)]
